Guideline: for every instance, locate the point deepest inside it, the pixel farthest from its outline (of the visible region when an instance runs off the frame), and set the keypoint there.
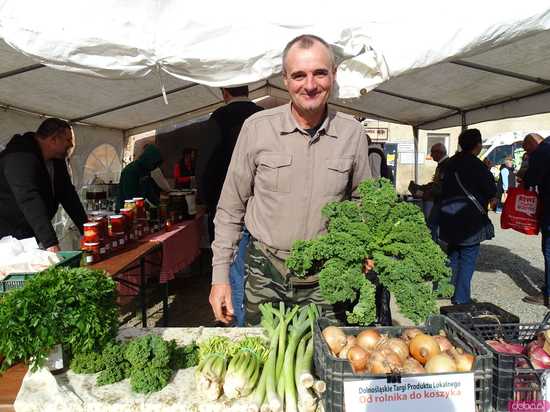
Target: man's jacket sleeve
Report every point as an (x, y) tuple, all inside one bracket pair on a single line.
[(21, 171)]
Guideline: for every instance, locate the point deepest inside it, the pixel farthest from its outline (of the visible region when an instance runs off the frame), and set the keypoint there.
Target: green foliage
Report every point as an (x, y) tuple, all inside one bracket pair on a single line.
[(72, 307), (90, 362), (147, 361), (117, 367), (364, 312), (149, 357), (392, 233), (111, 375), (149, 379), (183, 357), (217, 345)]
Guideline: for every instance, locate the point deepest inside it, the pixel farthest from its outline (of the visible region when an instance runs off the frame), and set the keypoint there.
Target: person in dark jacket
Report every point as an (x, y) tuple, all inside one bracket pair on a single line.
[(506, 180), (228, 121), (537, 176), (463, 221), (135, 178), (34, 180)]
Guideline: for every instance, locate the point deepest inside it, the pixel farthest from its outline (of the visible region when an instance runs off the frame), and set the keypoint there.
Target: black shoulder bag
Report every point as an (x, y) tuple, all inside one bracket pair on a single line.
[(488, 230)]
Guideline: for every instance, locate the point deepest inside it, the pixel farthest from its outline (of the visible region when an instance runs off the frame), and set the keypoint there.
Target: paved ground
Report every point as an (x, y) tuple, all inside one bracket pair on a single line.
[(509, 267)]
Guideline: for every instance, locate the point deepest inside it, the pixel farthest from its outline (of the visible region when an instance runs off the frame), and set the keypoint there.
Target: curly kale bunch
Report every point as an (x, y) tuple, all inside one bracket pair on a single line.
[(393, 234), (149, 357), (89, 362), (148, 361), (117, 367)]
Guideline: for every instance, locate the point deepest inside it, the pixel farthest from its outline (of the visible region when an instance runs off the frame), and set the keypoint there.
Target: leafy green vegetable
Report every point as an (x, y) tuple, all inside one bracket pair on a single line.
[(72, 307), (183, 357), (117, 367), (149, 379), (390, 232), (90, 362), (148, 361), (149, 357)]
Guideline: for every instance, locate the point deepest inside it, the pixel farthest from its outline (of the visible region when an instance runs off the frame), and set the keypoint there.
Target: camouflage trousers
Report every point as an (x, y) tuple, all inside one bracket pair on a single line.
[(268, 280)]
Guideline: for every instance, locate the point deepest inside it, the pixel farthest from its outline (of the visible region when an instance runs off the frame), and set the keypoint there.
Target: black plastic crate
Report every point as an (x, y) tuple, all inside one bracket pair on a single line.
[(510, 381), (335, 371), (484, 313)]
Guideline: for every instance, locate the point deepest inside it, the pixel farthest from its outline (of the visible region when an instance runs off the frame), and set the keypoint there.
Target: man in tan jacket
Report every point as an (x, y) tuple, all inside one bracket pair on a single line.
[(288, 163)]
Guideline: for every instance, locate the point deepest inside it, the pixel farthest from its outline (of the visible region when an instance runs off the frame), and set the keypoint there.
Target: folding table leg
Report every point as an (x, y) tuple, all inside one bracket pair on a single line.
[(142, 288), (165, 305)]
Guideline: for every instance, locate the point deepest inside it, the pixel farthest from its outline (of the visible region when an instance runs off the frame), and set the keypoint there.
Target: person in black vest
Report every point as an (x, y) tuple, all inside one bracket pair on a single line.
[(507, 180), (228, 120), (34, 180)]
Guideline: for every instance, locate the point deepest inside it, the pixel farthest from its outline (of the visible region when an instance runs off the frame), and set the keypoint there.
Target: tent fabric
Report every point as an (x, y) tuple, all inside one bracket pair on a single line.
[(429, 64)]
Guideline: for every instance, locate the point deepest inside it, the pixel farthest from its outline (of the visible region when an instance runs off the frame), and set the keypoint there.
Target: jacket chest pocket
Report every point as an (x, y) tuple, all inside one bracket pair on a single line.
[(338, 170), (274, 172)]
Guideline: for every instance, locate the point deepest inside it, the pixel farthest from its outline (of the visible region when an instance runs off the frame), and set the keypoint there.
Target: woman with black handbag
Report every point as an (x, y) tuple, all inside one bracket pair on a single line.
[(468, 188)]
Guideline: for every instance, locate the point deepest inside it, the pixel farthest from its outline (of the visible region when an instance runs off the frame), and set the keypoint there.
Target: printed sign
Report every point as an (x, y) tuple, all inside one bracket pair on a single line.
[(405, 147), (449, 392), (526, 204), (377, 133)]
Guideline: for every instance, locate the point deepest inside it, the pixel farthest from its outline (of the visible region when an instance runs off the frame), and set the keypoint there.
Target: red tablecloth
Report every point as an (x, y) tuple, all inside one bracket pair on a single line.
[(180, 247)]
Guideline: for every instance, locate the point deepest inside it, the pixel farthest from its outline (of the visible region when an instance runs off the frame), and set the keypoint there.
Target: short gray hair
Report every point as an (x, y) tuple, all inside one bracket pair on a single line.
[(439, 147), (305, 41)]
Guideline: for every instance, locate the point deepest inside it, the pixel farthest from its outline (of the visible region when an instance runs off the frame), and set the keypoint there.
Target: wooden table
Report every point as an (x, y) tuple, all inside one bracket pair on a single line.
[(10, 382), (134, 256)]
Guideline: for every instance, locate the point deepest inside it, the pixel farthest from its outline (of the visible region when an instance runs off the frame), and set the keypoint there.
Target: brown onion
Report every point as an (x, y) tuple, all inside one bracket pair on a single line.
[(464, 361), (440, 363), (384, 361), (398, 346), (358, 358), (336, 339), (410, 333), (444, 343), (368, 339), (423, 347), (412, 366), (351, 341)]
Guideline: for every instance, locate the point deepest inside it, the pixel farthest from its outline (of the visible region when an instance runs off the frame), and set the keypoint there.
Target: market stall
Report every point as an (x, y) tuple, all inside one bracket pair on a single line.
[(297, 360)]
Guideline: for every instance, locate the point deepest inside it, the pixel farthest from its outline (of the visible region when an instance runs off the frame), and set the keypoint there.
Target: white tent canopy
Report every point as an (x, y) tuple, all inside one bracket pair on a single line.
[(428, 64)]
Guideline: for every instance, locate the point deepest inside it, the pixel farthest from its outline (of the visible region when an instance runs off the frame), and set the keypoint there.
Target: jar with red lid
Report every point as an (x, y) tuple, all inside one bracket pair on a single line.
[(91, 232), (140, 207), (128, 218), (116, 225)]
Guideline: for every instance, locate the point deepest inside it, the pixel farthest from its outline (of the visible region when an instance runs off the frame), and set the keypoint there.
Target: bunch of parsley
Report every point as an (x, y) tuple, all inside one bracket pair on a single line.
[(72, 307)]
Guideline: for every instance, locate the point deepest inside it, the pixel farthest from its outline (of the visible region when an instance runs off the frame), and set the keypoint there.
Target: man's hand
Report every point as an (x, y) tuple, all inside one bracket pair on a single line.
[(54, 249), (220, 300)]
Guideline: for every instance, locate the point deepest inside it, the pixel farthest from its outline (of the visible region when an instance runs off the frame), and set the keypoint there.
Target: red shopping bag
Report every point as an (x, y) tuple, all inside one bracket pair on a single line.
[(521, 211)]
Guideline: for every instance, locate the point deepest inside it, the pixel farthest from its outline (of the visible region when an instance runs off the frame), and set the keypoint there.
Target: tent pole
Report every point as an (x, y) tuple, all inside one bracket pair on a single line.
[(415, 137), (463, 125)]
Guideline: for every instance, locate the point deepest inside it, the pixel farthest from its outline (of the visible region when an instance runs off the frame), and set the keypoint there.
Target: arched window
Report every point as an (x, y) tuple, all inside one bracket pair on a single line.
[(104, 163)]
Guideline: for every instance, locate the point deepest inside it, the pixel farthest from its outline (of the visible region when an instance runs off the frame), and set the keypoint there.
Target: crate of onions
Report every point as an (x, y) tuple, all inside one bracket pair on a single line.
[(358, 353), (521, 353)]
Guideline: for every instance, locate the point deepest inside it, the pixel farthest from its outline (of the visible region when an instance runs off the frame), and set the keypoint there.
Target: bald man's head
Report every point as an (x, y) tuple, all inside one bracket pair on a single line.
[(531, 142)]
